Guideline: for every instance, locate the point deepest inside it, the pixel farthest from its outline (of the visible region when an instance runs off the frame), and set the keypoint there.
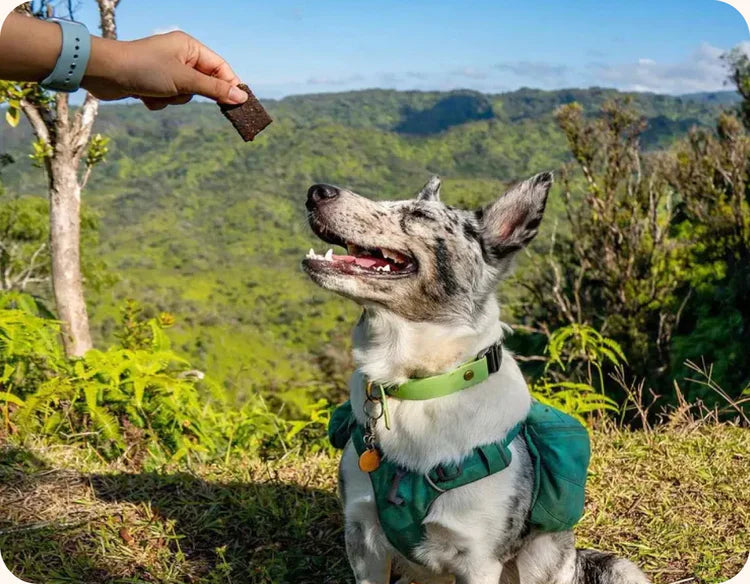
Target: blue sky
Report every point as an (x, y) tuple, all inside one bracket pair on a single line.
[(289, 47)]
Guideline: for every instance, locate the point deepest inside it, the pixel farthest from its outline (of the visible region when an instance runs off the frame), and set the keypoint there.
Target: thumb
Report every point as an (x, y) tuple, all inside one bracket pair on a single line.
[(212, 87)]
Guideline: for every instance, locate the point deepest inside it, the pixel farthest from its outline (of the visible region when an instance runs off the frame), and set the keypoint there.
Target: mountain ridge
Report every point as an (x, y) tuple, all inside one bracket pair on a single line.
[(200, 224)]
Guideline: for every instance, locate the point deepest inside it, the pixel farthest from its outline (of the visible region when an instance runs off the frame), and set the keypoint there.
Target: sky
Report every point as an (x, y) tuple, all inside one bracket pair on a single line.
[(286, 47)]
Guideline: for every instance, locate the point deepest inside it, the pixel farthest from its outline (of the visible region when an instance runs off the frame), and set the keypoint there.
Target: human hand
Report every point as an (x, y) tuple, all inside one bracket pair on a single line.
[(160, 70)]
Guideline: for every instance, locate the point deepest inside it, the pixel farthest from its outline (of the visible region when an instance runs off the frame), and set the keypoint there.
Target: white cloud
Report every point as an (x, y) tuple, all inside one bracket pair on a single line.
[(537, 70), (470, 72), (166, 29), (333, 80), (703, 70)]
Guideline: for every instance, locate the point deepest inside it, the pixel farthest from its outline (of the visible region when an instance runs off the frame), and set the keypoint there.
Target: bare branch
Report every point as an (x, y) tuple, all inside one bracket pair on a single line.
[(29, 271), (62, 123), (82, 124), (34, 115), (107, 18), (86, 175)]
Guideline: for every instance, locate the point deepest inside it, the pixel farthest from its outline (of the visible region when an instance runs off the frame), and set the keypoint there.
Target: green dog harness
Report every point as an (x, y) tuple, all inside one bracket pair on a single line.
[(559, 449)]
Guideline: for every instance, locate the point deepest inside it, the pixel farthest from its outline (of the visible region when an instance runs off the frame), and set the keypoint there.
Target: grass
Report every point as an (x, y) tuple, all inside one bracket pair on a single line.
[(676, 501)]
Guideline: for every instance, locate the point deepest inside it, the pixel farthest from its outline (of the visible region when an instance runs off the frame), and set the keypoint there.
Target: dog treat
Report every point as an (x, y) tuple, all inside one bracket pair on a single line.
[(248, 118)]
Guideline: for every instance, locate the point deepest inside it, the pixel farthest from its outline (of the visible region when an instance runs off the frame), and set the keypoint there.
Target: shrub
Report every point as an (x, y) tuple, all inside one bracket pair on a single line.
[(576, 357), (140, 401)]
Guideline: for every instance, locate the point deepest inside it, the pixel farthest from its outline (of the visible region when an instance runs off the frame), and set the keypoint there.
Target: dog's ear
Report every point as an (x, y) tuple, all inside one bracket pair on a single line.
[(431, 191), (513, 220)]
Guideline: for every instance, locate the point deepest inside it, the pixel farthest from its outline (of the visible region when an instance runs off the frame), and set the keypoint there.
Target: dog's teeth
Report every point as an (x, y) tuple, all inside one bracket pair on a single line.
[(395, 256), (386, 268), (329, 255), (311, 254)]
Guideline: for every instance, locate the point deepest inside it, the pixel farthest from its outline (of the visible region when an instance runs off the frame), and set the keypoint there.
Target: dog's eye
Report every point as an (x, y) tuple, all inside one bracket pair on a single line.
[(422, 214)]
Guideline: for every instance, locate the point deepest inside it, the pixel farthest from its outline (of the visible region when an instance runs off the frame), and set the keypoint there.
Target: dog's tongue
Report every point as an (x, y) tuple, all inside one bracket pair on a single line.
[(364, 262), (367, 262)]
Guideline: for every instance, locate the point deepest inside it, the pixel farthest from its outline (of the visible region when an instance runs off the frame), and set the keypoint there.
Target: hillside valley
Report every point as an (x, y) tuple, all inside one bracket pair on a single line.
[(195, 222)]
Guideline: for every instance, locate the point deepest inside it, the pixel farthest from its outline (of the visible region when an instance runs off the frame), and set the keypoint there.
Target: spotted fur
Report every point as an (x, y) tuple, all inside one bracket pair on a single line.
[(426, 323)]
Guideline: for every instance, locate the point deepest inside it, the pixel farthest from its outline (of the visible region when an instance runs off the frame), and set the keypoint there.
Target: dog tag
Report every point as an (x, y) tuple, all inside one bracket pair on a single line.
[(369, 460)]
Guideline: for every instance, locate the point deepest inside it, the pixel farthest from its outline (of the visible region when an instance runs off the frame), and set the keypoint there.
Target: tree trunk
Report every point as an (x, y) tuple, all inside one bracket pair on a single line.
[(65, 241), (68, 137), (107, 18)]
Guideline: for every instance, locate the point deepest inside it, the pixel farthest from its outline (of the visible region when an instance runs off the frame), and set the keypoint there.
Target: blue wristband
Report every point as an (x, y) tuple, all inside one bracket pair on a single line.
[(73, 59)]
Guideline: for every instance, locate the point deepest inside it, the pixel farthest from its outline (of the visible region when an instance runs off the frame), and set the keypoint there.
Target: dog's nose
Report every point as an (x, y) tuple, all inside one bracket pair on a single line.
[(319, 193)]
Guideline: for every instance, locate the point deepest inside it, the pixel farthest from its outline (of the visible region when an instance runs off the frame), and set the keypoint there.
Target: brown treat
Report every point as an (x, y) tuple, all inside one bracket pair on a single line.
[(248, 118)]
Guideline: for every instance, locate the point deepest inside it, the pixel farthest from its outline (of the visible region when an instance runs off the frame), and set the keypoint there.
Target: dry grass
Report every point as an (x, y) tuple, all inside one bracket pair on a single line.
[(675, 501)]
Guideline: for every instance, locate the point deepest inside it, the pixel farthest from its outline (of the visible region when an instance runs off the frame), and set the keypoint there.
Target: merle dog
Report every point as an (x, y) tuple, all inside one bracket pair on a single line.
[(425, 274)]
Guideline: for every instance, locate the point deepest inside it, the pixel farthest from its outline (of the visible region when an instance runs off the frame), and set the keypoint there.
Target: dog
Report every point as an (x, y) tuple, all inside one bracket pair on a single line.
[(426, 274)]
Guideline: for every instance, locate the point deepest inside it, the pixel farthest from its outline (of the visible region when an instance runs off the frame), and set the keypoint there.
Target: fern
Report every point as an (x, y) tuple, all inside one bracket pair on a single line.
[(574, 352), (139, 397)]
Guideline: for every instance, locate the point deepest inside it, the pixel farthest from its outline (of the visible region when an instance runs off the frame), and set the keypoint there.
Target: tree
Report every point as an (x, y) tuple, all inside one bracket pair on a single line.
[(711, 171), (24, 248), (5, 160), (24, 255), (739, 74), (63, 142), (24, 224), (656, 251), (616, 268)]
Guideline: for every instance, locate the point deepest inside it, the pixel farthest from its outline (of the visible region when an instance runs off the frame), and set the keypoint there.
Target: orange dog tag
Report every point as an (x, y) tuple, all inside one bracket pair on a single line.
[(369, 460)]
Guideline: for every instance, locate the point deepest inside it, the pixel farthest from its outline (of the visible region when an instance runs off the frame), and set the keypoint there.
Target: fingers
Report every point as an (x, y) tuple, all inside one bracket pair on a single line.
[(159, 103), (212, 64), (181, 67), (220, 90)]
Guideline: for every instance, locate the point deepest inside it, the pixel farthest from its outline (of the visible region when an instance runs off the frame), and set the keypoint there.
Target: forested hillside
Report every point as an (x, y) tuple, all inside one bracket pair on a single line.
[(194, 222)]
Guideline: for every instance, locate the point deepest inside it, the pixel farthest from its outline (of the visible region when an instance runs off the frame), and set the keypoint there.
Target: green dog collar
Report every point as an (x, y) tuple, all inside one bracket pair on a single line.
[(465, 376)]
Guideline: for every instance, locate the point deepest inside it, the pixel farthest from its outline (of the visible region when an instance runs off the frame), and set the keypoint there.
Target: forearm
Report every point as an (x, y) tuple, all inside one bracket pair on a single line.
[(29, 48), (160, 69), (24, 59), (108, 61)]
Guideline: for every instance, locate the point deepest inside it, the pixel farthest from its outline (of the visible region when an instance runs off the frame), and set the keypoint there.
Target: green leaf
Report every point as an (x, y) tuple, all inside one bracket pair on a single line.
[(13, 116), (139, 386), (7, 372), (10, 398), (79, 370), (53, 422), (160, 339)]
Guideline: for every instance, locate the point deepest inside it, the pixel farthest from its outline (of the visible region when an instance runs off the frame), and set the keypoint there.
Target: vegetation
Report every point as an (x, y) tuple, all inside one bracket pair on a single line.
[(676, 501), (137, 402), (62, 142), (656, 254), (190, 445), (194, 223)]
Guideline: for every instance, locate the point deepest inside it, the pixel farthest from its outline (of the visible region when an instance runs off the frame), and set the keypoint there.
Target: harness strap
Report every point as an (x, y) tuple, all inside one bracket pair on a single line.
[(557, 443), (403, 498)]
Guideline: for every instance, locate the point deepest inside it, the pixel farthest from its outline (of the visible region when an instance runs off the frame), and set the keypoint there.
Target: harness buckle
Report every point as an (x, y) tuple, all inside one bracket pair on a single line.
[(443, 476), (494, 356), (393, 497)]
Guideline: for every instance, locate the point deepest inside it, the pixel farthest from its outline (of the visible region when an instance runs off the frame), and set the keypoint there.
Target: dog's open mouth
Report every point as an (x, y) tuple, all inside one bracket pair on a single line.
[(377, 261)]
